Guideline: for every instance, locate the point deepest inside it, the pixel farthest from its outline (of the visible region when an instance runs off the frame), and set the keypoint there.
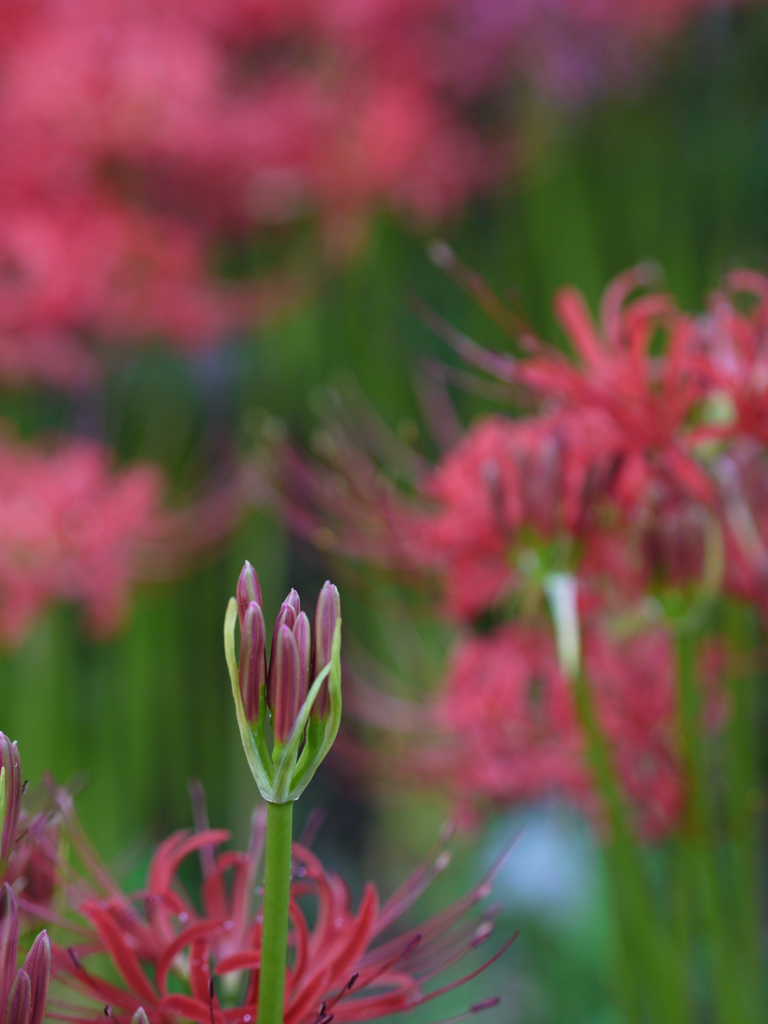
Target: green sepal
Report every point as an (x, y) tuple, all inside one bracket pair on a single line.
[(254, 746)]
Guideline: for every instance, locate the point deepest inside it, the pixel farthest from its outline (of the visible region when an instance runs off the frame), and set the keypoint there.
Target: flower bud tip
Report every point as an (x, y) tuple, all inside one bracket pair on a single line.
[(248, 590)]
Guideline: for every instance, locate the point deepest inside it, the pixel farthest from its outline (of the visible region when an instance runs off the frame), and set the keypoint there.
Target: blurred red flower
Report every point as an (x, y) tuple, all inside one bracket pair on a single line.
[(140, 135), (71, 526), (512, 732)]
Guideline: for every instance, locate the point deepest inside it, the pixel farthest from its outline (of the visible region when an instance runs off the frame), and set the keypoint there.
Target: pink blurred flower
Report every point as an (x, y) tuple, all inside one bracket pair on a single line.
[(71, 528), (139, 135), (649, 400), (514, 733), (515, 486)]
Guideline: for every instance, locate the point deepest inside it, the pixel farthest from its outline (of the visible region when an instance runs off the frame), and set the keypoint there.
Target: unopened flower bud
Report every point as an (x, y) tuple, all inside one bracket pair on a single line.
[(248, 589), (302, 634), (284, 684), (140, 1017), (253, 667), (289, 609), (19, 1004), (10, 797), (327, 614), (37, 967), (9, 936)]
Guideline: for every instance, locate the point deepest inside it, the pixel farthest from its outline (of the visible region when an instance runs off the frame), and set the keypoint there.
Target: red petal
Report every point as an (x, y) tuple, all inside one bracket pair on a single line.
[(174, 849)]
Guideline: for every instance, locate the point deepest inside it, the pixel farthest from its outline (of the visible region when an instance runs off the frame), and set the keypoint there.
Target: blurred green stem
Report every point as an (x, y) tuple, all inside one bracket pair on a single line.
[(648, 950), (277, 892), (743, 801), (699, 848)]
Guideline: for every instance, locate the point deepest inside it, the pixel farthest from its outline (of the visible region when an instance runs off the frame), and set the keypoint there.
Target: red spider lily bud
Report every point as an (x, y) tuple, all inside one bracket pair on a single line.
[(292, 601), (19, 1000), (253, 665), (327, 614), (284, 684), (140, 1017), (10, 797), (248, 589), (37, 969), (289, 609), (302, 634), (9, 941)]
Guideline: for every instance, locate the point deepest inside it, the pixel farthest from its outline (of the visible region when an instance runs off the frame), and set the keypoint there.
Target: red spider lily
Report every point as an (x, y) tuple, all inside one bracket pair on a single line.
[(72, 528), (516, 490), (596, 481), (340, 966), (77, 528), (137, 134), (507, 729), (650, 400)]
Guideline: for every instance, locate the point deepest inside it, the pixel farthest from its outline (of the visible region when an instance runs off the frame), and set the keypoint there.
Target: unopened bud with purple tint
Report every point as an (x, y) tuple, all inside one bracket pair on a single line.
[(10, 798), (284, 684), (327, 614), (299, 692), (248, 590), (23, 990), (253, 661)]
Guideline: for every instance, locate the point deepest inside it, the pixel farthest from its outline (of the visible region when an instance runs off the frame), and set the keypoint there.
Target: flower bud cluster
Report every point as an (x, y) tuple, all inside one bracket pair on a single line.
[(297, 690)]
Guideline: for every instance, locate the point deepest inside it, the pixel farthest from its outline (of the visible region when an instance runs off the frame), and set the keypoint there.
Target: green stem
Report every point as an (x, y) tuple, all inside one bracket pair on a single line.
[(647, 945), (699, 849), (277, 892), (742, 792)]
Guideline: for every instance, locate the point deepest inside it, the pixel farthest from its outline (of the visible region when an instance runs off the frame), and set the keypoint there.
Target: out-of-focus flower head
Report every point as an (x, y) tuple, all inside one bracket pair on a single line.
[(78, 529), (649, 399), (516, 499), (183, 958), (610, 444), (71, 528), (503, 728), (300, 688)]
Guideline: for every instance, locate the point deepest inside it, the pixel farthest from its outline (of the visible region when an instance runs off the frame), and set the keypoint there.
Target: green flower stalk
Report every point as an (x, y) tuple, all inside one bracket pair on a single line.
[(289, 714)]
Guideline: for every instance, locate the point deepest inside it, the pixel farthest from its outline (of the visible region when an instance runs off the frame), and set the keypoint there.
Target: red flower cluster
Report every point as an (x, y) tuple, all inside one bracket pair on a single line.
[(513, 731), (139, 134), (639, 466), (641, 457), (71, 527)]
